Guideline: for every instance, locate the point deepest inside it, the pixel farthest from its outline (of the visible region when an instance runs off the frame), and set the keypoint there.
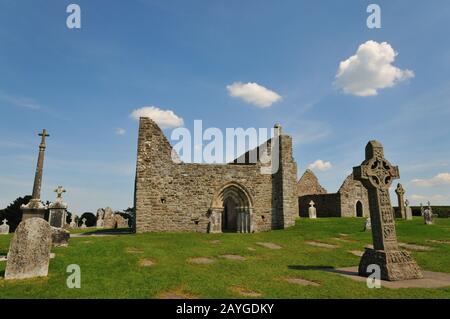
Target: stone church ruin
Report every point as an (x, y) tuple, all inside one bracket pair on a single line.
[(232, 197)]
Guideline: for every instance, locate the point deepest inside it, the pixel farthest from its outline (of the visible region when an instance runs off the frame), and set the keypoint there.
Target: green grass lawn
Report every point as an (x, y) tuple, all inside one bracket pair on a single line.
[(110, 266)]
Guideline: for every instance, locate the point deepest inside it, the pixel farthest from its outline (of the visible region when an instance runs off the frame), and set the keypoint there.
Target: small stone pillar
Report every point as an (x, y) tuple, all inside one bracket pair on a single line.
[(73, 223), (428, 215), (368, 224), (243, 220), (408, 210)]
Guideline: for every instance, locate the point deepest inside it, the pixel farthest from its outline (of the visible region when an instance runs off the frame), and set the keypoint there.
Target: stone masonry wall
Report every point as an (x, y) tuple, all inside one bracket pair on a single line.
[(177, 197), (327, 205)]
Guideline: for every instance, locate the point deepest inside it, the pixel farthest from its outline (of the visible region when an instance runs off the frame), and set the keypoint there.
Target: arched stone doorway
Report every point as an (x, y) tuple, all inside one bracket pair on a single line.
[(359, 209), (231, 210)]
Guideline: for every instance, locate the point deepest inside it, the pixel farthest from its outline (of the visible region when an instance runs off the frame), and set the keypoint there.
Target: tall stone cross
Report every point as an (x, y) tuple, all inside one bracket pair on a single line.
[(35, 208), (400, 191), (377, 174), (39, 166)]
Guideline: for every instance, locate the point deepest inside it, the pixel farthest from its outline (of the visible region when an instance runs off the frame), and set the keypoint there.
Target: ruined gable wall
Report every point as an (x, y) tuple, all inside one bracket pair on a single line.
[(308, 184)]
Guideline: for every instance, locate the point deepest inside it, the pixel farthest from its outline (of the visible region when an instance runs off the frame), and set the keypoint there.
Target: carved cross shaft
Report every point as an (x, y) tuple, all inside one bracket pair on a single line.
[(377, 174)]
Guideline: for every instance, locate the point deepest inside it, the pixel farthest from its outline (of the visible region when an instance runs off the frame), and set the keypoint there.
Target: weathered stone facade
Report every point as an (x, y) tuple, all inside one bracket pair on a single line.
[(351, 200), (182, 197)]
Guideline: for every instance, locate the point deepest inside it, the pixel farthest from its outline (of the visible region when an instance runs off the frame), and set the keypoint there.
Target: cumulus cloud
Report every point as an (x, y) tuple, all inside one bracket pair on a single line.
[(439, 179), (164, 118), (120, 131), (320, 165), (253, 93), (370, 69)]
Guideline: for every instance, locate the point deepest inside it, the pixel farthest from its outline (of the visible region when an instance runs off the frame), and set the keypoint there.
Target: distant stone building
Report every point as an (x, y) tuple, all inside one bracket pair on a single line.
[(190, 197), (351, 200)]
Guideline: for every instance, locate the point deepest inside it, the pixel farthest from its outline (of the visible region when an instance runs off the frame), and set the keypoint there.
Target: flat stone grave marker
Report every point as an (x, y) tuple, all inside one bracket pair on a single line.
[(301, 281), (233, 257), (322, 245), (245, 292), (146, 263), (29, 251), (357, 253), (270, 245), (201, 260)]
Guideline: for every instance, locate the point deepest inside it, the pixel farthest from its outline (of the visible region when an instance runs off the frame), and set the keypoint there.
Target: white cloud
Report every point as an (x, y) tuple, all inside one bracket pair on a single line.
[(370, 69), (164, 118), (120, 131), (439, 179), (320, 165), (253, 93)]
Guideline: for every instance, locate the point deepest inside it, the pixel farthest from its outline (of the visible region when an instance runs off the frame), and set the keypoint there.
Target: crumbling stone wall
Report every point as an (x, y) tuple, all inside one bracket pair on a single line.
[(178, 197)]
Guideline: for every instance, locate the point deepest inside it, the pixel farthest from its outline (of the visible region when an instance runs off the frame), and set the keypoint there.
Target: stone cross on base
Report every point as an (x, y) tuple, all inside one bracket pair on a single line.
[(400, 191), (59, 191), (377, 174)]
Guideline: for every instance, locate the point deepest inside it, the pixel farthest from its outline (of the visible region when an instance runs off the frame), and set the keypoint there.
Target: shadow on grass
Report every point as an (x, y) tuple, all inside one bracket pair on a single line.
[(325, 268)]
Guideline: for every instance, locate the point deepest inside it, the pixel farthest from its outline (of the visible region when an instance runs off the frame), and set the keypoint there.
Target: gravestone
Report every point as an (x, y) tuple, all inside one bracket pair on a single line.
[(368, 225), (312, 210), (73, 223), (408, 210), (83, 225), (400, 191), (58, 210), (428, 215), (60, 237), (29, 251), (377, 174), (4, 228)]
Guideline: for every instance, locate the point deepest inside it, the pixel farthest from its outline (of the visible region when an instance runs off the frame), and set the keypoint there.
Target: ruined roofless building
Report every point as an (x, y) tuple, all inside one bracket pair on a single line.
[(191, 197), (351, 200)]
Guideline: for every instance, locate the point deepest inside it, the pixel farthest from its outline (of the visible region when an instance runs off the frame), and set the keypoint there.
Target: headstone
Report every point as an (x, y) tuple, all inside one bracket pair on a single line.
[(73, 223), (400, 191), (29, 251), (100, 216), (58, 210), (377, 174), (4, 228), (408, 210), (35, 208), (215, 222), (312, 210), (367, 225), (428, 215), (83, 225), (60, 237)]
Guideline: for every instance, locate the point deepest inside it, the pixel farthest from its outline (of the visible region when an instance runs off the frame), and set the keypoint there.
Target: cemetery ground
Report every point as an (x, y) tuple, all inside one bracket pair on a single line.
[(287, 263)]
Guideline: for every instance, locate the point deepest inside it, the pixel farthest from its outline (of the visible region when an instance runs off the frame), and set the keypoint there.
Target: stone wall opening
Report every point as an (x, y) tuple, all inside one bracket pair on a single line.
[(359, 209)]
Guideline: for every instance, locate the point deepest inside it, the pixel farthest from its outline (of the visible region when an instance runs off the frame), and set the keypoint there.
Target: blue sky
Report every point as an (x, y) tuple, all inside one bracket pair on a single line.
[(82, 85)]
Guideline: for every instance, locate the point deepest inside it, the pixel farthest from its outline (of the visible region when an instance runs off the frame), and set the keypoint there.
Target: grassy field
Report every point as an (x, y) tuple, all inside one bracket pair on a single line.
[(111, 266)]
